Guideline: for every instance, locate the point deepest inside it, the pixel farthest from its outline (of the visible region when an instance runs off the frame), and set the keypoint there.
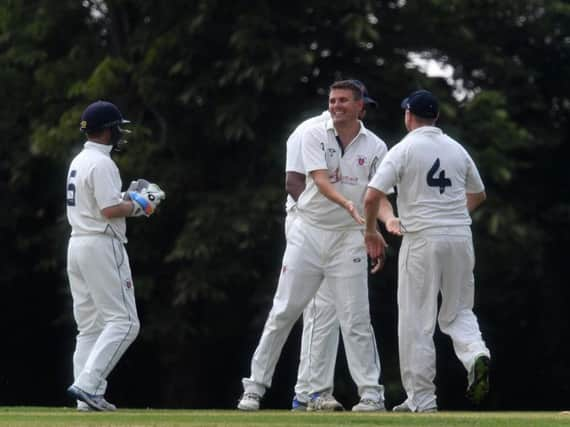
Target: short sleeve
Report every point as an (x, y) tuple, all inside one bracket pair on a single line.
[(388, 173), (294, 157), (106, 184), (313, 149)]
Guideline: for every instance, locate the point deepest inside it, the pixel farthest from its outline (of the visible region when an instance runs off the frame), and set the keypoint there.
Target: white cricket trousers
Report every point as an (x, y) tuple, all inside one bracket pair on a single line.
[(434, 261), (319, 340), (103, 306), (319, 345), (339, 257)]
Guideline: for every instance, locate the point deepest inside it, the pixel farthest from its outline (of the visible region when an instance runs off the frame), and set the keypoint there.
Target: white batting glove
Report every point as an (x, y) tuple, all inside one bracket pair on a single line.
[(146, 200), (137, 185)]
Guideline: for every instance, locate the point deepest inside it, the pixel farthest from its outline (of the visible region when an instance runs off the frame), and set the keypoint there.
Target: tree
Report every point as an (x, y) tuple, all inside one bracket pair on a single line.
[(213, 88)]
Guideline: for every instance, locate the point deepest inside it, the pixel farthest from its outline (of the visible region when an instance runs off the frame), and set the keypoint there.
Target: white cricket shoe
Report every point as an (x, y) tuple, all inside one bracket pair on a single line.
[(249, 402), (324, 402), (404, 407), (84, 407), (95, 402), (369, 405)]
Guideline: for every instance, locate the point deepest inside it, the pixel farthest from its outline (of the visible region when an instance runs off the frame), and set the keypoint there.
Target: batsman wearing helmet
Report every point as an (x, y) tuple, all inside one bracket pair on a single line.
[(438, 185), (97, 262)]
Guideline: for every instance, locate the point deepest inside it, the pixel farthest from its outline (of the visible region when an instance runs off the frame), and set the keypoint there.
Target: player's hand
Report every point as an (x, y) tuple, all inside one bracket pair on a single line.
[(137, 185), (146, 201), (376, 248), (349, 206), (393, 226), (377, 265)]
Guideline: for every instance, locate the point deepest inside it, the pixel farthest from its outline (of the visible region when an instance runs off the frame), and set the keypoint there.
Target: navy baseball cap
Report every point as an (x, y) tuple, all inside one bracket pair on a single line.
[(365, 97), (422, 103), (100, 115)]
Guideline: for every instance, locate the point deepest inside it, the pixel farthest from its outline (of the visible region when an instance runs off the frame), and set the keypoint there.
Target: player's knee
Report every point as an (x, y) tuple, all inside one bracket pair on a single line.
[(134, 330), (285, 314), (127, 329)]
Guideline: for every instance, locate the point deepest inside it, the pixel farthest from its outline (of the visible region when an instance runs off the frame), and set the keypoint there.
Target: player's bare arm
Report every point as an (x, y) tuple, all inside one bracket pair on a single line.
[(375, 243), (385, 210), (294, 184), (118, 211), (321, 178), (386, 215), (474, 200)]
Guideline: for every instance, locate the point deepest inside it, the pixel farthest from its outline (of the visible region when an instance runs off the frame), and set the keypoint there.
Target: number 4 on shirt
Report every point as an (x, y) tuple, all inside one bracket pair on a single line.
[(441, 181)]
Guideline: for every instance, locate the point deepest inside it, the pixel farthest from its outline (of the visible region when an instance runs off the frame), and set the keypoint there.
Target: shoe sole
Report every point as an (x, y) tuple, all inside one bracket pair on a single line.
[(247, 408), (480, 387), (79, 394)]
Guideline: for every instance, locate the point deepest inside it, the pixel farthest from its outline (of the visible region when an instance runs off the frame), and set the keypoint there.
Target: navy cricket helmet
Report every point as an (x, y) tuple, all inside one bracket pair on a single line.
[(101, 115)]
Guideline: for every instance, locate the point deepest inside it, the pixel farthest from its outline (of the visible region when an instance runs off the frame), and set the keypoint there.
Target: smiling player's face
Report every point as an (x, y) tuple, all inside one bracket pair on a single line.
[(343, 107)]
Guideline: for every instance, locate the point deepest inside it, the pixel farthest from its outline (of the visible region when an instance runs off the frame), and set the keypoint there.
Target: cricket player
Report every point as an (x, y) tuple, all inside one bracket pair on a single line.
[(319, 341), (438, 185), (325, 242), (98, 268)]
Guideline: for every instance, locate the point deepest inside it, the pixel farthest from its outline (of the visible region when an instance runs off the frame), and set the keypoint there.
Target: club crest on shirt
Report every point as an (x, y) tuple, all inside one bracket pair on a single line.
[(361, 160), (332, 152)]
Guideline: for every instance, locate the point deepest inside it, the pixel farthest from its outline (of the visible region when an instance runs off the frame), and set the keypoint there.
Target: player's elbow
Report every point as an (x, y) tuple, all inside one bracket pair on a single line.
[(479, 197), (108, 213), (475, 199), (118, 211)]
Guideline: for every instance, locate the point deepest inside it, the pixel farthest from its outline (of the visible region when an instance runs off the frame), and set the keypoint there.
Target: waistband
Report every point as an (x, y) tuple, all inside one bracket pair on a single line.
[(456, 230), (356, 228), (108, 232)]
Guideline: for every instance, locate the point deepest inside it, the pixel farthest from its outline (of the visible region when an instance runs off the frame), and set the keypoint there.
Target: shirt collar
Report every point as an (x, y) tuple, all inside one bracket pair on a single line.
[(426, 130), (330, 126), (106, 149)]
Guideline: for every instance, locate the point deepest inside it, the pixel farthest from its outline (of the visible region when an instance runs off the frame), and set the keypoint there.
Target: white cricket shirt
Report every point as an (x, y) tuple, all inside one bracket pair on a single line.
[(349, 172), (294, 157), (432, 173), (94, 183)]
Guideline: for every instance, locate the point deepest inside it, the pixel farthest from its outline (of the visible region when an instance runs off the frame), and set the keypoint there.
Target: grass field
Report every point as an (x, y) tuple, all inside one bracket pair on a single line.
[(26, 416)]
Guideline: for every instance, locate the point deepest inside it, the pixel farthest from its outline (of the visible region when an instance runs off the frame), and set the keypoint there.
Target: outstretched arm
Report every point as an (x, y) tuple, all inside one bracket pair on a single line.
[(386, 215), (321, 178), (385, 211)]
